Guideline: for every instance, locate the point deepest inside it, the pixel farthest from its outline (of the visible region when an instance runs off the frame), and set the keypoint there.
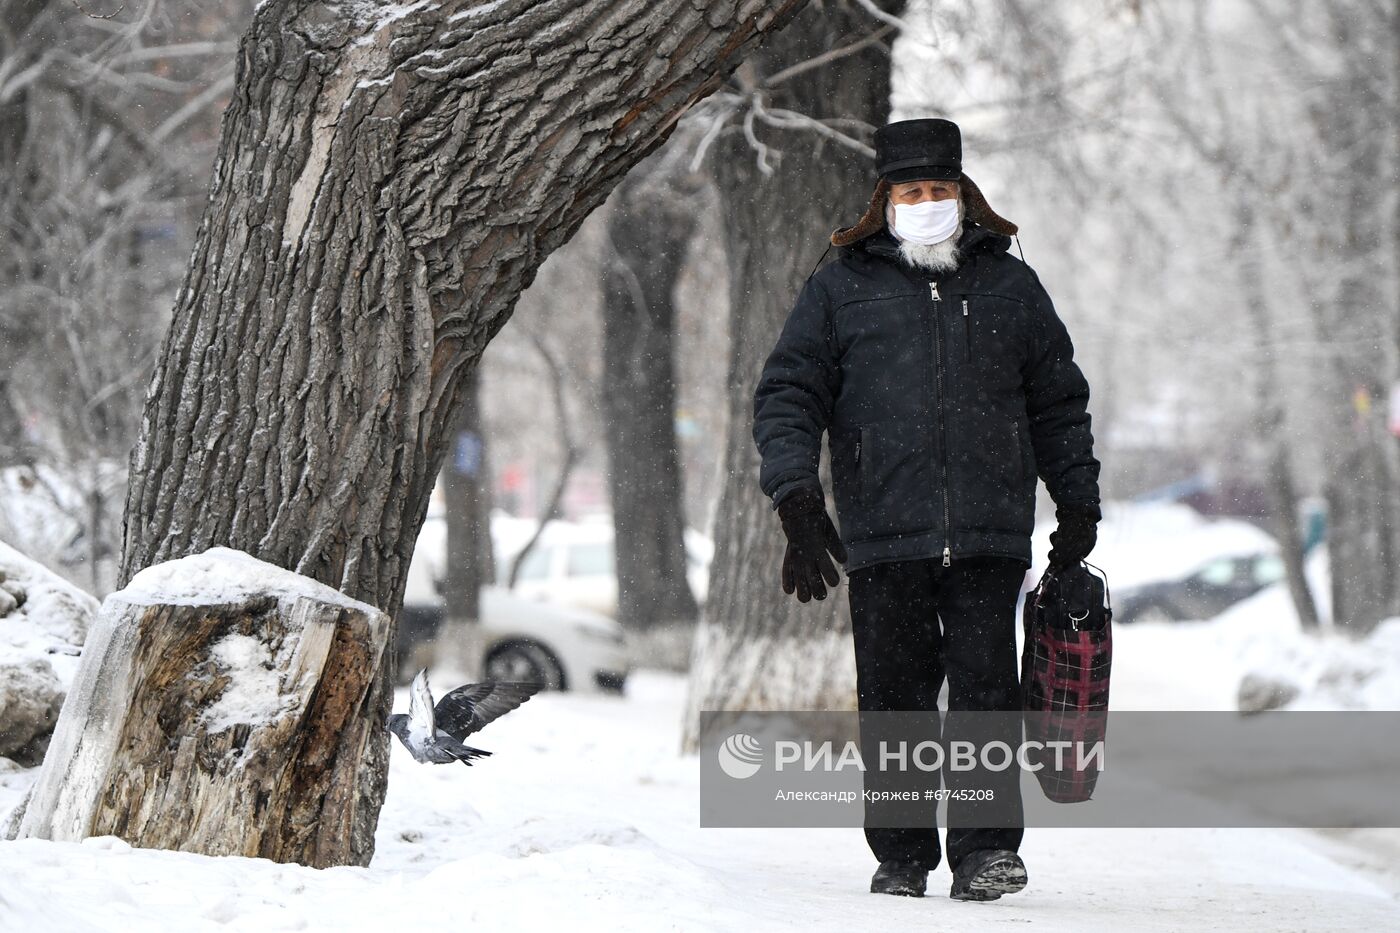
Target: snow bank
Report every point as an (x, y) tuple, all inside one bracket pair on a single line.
[(1187, 666), (1328, 671), (1278, 665), (43, 622), (41, 613), (1255, 656)]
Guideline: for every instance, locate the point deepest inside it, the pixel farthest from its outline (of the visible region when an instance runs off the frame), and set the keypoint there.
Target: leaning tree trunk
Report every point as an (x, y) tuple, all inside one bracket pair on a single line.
[(651, 223), (387, 182), (758, 648)]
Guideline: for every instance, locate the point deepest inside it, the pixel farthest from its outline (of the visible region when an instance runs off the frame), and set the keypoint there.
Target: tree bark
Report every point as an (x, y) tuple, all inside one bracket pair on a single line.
[(466, 483), (1363, 492), (758, 648), (231, 726), (15, 450), (1249, 248), (383, 191), (650, 227)]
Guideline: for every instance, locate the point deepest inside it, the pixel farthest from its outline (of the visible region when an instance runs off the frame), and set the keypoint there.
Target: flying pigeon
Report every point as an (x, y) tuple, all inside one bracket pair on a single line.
[(436, 734)]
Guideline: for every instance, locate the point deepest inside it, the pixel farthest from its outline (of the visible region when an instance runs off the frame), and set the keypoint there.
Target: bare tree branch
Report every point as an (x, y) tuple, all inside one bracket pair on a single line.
[(827, 58), (85, 12), (882, 16), (570, 456), (760, 149), (791, 119)]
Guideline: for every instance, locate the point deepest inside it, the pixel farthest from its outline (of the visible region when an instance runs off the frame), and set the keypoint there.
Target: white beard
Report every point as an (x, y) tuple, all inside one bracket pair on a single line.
[(937, 258)]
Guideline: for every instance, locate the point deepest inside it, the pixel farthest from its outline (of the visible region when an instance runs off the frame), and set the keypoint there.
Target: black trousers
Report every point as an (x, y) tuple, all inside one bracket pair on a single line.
[(916, 622)]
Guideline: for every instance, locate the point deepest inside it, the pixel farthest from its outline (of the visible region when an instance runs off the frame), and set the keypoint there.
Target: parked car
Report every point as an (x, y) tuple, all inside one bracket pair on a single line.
[(573, 563), (1202, 594), (564, 647)]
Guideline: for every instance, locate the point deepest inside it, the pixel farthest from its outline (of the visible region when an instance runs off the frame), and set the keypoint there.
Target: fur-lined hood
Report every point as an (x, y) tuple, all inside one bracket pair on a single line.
[(975, 210)]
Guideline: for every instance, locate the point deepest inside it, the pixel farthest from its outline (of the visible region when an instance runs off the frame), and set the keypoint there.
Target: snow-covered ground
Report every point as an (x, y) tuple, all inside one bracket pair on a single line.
[(587, 818)]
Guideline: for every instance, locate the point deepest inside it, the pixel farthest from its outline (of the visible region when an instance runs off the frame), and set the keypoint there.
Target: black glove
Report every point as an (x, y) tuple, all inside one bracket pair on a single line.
[(1075, 536), (810, 533)]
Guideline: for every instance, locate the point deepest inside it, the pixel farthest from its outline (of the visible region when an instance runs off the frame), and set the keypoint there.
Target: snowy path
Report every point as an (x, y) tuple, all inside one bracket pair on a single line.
[(586, 819)]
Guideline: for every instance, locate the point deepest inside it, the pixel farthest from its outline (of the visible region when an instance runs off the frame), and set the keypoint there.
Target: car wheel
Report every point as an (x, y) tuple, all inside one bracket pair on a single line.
[(611, 683), (525, 661)]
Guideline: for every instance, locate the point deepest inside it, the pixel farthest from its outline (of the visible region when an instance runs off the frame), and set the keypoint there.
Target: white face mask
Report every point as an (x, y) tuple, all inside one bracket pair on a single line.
[(927, 222)]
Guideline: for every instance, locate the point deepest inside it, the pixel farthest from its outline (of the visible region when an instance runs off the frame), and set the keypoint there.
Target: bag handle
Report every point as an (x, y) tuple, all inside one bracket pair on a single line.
[(1107, 596), (1050, 575)]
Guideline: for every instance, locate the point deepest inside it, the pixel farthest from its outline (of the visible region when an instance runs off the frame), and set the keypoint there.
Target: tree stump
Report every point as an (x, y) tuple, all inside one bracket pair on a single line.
[(220, 708)]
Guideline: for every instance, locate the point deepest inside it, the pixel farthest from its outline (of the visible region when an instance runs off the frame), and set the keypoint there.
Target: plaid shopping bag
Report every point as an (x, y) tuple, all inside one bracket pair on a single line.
[(1065, 665)]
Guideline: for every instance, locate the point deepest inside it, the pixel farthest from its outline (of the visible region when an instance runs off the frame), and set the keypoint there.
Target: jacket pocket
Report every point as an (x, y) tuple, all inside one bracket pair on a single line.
[(889, 488), (846, 457), (862, 468), (1026, 450), (1018, 472)]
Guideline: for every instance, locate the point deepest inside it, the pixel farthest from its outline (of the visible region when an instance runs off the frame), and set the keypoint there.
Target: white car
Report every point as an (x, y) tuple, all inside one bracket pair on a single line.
[(563, 647), (573, 563)]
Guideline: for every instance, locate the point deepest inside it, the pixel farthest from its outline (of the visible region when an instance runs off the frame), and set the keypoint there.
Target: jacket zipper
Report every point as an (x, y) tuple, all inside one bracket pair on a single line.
[(942, 418), (967, 329)]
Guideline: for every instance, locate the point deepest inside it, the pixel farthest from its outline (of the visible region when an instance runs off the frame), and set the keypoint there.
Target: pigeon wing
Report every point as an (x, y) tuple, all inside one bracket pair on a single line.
[(420, 705), (466, 709)]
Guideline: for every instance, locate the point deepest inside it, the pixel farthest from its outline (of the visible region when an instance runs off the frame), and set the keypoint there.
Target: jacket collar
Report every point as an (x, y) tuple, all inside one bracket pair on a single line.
[(975, 239)]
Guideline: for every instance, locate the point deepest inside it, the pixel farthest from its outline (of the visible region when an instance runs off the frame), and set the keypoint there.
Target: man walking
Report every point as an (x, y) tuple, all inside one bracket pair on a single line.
[(936, 363)]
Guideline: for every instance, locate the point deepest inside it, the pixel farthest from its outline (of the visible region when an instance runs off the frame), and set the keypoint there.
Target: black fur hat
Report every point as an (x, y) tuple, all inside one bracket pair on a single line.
[(913, 150)]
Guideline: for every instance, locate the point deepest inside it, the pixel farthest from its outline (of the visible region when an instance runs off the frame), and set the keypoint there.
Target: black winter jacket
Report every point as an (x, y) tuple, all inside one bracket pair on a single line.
[(944, 397)]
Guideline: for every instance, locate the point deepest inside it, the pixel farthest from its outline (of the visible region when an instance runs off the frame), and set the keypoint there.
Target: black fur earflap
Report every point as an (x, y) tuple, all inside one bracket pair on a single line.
[(975, 208)]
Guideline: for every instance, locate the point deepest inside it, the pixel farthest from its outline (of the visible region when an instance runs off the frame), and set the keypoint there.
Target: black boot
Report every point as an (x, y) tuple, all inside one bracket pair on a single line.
[(987, 874), (899, 876)]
